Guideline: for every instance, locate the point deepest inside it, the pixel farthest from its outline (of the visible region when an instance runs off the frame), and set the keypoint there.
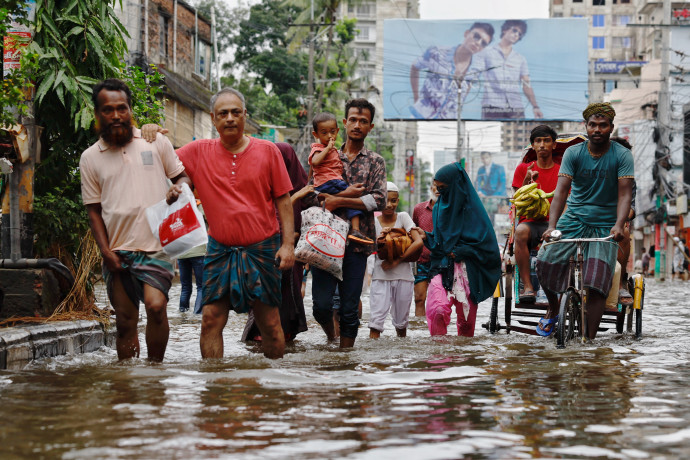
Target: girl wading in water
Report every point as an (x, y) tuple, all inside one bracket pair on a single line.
[(465, 261)]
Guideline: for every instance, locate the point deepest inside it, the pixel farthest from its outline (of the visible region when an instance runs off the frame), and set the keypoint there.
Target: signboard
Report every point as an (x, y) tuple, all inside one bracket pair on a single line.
[(615, 66), (507, 69), (18, 36)]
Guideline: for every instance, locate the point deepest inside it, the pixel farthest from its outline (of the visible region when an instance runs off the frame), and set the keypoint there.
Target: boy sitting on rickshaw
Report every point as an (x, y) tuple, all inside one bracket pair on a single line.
[(599, 175), (543, 171)]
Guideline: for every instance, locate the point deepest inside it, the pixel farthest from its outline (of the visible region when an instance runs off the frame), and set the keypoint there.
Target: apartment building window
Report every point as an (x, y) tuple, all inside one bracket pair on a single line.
[(201, 61), (598, 20), (557, 15), (598, 43), (620, 20), (163, 22), (621, 42), (364, 10), (598, 2), (367, 33), (577, 1), (557, 2)]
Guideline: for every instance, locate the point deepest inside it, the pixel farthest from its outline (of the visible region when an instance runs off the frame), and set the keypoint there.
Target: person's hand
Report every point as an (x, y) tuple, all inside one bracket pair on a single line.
[(617, 233), (330, 145), (286, 255), (386, 265), (538, 113), (385, 230), (173, 194), (330, 202), (149, 131), (304, 191), (547, 234), (113, 262), (422, 233), (530, 176), (353, 191)]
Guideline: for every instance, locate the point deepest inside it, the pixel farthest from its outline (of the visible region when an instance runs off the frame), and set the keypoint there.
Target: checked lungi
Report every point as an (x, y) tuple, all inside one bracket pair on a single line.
[(243, 273), (599, 259), (152, 268)]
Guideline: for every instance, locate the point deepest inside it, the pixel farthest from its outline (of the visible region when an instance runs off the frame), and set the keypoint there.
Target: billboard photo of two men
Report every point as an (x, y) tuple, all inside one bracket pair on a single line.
[(506, 70)]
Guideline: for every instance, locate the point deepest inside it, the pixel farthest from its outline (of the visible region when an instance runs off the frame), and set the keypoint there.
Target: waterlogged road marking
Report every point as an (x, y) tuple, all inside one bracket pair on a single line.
[(603, 429), (560, 434)]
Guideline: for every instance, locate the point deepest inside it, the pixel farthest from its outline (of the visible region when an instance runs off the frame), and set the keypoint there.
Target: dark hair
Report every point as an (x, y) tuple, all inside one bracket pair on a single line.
[(486, 27), (542, 131), (321, 117), (360, 104), (520, 24), (111, 84), (484, 153), (622, 141)]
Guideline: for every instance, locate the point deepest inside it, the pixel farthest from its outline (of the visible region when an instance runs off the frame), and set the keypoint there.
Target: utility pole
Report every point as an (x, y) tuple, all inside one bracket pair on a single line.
[(461, 127), (663, 125)]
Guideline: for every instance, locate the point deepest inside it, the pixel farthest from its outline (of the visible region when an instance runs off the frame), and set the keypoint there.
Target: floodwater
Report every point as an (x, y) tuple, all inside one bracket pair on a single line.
[(501, 396)]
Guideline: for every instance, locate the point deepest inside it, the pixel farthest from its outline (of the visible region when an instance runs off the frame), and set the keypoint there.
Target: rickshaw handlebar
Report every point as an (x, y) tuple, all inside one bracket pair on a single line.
[(578, 240)]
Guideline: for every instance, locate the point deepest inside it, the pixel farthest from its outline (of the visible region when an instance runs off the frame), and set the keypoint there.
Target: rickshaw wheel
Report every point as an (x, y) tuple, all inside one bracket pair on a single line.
[(568, 323), (493, 317)]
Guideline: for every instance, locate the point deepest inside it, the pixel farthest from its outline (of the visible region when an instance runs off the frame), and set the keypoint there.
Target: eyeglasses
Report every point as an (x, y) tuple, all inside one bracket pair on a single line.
[(478, 38), (517, 31)]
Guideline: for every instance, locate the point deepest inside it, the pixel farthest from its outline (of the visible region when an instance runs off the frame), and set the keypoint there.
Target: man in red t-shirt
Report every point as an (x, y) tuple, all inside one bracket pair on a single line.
[(529, 231), (241, 182)]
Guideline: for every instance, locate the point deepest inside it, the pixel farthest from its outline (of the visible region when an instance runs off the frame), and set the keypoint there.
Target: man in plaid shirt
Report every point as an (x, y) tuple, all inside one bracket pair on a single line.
[(365, 171)]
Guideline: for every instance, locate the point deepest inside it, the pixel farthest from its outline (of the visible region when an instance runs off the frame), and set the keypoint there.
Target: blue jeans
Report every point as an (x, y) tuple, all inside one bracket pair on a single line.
[(350, 289), (187, 266)]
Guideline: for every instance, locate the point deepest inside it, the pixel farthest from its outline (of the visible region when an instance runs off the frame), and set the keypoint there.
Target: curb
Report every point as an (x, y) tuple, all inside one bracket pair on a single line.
[(21, 344)]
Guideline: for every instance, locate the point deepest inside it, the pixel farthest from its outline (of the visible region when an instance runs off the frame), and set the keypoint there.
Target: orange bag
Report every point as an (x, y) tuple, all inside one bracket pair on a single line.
[(393, 244)]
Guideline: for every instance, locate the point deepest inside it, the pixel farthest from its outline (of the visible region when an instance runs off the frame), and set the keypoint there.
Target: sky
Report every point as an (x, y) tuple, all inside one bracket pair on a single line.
[(482, 136)]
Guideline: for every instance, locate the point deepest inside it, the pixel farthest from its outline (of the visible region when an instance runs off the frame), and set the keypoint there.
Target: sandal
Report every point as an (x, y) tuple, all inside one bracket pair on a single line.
[(359, 238), (543, 322)]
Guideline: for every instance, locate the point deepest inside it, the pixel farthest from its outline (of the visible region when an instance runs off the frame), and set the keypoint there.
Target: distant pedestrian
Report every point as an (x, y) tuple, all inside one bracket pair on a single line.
[(122, 175), (422, 217), (645, 262), (392, 284), (241, 181), (465, 262)]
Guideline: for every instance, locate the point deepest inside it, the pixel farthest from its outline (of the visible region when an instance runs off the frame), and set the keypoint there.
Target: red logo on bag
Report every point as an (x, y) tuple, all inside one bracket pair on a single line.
[(327, 241), (178, 224)]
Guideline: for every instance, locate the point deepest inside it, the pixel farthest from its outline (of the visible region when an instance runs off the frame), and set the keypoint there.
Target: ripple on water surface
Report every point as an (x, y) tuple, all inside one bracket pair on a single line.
[(501, 396)]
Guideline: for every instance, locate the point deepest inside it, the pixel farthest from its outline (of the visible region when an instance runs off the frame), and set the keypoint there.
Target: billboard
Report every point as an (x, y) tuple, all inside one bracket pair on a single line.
[(507, 69)]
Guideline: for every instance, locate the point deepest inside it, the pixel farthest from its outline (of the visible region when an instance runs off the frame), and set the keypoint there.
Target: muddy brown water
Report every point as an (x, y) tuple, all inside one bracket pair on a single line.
[(501, 396)]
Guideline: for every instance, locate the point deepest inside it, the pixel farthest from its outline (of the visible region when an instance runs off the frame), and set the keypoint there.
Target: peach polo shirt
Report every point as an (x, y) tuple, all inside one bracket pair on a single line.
[(125, 181)]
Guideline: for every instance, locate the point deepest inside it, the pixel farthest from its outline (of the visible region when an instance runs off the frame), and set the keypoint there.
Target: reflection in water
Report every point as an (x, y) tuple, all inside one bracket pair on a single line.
[(503, 396)]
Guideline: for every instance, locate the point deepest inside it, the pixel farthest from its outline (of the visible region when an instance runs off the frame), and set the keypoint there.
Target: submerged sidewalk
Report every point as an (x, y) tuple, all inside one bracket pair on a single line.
[(21, 344)]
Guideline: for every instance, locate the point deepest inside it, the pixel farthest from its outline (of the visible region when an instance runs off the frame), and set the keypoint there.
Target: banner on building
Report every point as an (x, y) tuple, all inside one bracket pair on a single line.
[(507, 69)]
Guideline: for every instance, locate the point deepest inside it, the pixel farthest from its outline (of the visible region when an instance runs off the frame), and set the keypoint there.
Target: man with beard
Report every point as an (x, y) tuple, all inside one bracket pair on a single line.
[(122, 175), (599, 174)]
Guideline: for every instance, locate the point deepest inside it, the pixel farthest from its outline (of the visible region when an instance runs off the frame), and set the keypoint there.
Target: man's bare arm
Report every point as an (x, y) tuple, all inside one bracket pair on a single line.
[(625, 187), (558, 203), (286, 253), (100, 234)]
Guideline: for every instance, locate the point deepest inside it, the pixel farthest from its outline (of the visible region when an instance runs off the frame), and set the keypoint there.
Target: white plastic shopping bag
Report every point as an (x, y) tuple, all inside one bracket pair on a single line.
[(179, 226), (322, 240)]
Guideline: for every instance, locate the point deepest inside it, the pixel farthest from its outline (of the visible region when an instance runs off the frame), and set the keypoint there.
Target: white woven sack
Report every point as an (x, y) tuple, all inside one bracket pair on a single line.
[(322, 240)]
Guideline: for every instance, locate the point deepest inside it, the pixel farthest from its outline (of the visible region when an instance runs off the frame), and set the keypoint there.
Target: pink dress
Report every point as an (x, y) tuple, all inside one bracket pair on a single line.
[(439, 304)]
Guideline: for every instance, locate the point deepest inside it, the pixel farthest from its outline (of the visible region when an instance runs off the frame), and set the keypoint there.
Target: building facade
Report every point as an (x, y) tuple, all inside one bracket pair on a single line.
[(368, 47), (173, 36)]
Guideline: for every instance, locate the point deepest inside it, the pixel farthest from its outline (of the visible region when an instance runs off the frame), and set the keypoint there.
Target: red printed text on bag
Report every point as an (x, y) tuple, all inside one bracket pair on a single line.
[(178, 224), (325, 240)]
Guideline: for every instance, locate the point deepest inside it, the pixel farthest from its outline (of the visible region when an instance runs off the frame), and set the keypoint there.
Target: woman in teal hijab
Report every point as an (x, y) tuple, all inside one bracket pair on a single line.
[(465, 261)]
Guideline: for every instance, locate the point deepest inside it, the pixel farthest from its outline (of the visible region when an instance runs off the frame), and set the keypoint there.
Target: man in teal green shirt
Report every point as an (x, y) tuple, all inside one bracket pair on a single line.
[(599, 175)]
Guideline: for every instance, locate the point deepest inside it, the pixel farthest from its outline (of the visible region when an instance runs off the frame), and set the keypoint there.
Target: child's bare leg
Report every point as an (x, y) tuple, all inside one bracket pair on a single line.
[(355, 234), (355, 223)]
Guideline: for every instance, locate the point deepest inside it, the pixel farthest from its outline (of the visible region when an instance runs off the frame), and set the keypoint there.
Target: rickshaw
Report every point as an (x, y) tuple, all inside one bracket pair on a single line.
[(524, 317)]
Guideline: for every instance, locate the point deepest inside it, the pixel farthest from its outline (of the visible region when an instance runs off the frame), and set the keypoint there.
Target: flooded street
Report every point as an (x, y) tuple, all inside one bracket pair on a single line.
[(501, 396)]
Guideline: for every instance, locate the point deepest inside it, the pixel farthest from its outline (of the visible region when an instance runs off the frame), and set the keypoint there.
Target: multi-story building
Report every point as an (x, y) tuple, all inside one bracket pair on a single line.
[(613, 55), (172, 35), (368, 46)]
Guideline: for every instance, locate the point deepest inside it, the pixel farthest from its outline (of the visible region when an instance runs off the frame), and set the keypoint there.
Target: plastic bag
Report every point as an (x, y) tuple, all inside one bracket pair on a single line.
[(180, 226), (322, 240)]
